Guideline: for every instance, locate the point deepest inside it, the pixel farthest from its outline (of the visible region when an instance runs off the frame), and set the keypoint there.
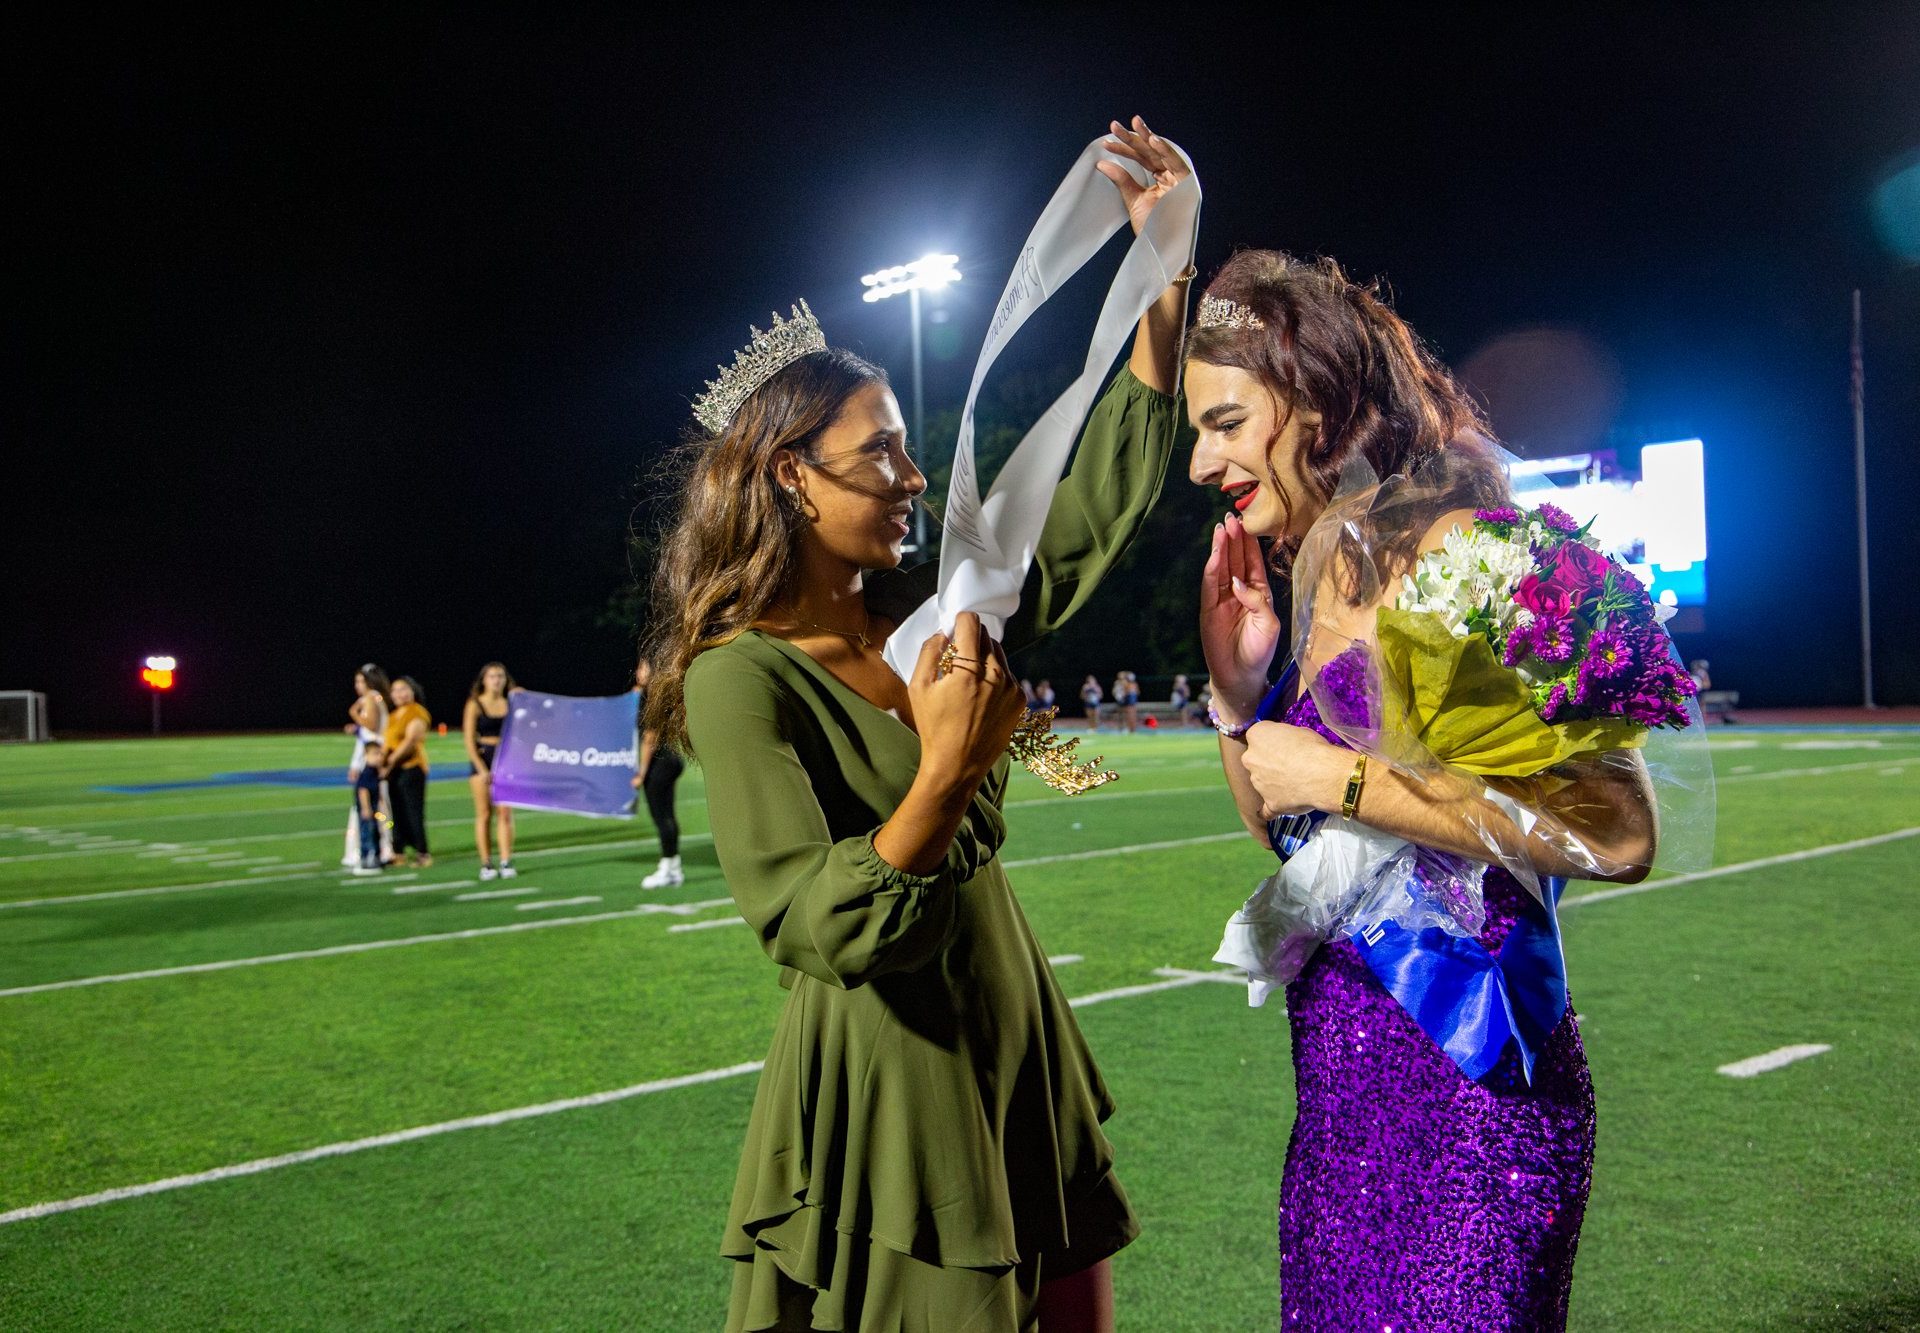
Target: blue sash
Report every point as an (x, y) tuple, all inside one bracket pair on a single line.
[(1472, 1003)]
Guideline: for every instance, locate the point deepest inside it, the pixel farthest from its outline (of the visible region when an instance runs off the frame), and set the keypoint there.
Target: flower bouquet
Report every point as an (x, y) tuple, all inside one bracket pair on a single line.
[(1502, 669)]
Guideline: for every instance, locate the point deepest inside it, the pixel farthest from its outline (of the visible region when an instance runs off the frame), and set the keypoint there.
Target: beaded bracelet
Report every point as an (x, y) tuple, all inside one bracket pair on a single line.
[(1231, 732)]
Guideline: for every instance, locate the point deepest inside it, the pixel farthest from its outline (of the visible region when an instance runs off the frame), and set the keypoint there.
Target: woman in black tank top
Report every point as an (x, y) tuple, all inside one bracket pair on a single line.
[(486, 713), (660, 770)]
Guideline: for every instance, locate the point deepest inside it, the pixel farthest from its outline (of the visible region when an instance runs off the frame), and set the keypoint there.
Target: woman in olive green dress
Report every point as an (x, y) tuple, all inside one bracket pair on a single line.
[(925, 1149)]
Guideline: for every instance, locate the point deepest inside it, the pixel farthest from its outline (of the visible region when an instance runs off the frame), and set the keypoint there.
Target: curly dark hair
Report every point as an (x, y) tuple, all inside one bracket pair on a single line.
[(1335, 346)]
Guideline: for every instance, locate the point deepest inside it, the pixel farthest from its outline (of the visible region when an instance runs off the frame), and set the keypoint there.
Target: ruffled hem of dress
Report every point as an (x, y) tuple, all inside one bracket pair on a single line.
[(876, 1132), (808, 1251)]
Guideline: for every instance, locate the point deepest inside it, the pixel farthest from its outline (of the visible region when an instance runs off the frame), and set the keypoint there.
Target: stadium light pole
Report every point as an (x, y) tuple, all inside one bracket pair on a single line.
[(927, 273), (158, 675)]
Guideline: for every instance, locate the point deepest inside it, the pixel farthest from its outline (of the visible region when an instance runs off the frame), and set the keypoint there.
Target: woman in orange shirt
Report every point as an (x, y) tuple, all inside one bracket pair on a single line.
[(406, 769)]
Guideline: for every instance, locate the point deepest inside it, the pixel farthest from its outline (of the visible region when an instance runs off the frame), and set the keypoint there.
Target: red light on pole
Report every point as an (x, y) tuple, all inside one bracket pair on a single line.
[(158, 676)]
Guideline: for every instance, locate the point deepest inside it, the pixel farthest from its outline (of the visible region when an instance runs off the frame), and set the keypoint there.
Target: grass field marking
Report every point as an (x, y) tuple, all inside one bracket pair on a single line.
[(158, 888), (1740, 867), (1818, 772), (119, 846), (367, 946), (1091, 855), (485, 894), (1176, 977), (1755, 1065), (1173, 979), (1062, 959), (436, 886), (714, 924), (1212, 788), (1096, 853), (545, 903), (326, 1150), (291, 865)]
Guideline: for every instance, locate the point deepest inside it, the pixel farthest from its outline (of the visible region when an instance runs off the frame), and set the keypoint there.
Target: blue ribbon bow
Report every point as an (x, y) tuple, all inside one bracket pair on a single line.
[(1472, 1003)]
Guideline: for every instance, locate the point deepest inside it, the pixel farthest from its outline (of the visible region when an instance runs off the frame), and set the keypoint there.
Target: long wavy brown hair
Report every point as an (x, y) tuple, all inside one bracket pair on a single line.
[(1335, 346), (729, 551)]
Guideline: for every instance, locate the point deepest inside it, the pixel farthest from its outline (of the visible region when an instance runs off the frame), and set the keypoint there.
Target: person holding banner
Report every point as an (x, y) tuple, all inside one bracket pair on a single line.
[(480, 724), (925, 1149), (1434, 1178)]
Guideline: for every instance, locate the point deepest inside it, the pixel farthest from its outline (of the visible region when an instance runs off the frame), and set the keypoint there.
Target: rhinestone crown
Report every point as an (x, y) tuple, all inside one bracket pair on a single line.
[(759, 361), (1219, 313)]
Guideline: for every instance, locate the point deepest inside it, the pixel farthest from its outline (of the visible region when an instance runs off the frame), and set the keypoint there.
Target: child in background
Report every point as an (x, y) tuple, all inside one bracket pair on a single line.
[(366, 804)]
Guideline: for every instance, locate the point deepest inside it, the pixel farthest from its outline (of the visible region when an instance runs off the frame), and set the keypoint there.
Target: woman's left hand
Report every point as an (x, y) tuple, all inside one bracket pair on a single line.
[(1164, 167), (1295, 770)]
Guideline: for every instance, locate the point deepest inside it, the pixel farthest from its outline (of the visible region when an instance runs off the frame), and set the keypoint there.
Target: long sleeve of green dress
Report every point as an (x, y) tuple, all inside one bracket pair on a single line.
[(1098, 507), (928, 1096)]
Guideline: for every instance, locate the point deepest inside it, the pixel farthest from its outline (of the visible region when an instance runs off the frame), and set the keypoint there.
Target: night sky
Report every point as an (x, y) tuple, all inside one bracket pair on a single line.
[(355, 337)]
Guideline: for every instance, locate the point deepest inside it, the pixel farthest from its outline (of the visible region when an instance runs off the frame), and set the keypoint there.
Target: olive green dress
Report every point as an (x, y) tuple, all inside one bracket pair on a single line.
[(925, 1147)]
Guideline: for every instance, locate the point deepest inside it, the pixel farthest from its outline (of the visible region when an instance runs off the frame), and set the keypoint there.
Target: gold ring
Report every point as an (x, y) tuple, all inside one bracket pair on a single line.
[(950, 655)]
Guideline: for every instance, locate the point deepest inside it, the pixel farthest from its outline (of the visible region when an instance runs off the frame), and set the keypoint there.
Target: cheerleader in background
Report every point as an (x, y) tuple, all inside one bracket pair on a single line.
[(480, 724)]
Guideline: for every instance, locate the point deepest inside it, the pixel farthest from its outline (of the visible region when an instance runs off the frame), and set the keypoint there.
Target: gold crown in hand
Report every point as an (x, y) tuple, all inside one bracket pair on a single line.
[(1051, 759)]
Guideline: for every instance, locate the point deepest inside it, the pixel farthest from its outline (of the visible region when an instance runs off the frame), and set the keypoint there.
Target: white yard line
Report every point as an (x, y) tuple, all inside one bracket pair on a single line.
[(1175, 979), (621, 844), (436, 886), (714, 924), (158, 888), (1818, 772), (260, 1164), (366, 946), (1098, 852), (486, 894), (1062, 959), (1779, 1059), (1093, 855), (1785, 858), (1087, 798), (544, 903)]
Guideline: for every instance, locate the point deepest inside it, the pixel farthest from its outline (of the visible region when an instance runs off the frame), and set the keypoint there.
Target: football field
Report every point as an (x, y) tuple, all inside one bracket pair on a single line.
[(240, 1089)]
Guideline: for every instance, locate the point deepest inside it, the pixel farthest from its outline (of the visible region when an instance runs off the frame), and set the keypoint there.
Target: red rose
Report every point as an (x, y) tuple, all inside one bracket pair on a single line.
[(1548, 600), (1580, 570)]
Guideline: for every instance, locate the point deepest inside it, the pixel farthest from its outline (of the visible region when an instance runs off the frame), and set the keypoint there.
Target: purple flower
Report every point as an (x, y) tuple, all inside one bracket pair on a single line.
[(1552, 640), (1555, 519), (1556, 703), (1608, 655), (1506, 514)]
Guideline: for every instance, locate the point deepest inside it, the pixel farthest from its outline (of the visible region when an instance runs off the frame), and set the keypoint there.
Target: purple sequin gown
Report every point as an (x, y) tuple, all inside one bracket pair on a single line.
[(1413, 1197)]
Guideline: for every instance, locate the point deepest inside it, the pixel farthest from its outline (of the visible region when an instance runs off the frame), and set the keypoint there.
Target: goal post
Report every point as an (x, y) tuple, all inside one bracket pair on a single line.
[(23, 716)]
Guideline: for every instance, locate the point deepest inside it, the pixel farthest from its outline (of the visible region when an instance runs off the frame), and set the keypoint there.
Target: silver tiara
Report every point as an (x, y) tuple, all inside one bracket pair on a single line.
[(759, 361), (1219, 313)]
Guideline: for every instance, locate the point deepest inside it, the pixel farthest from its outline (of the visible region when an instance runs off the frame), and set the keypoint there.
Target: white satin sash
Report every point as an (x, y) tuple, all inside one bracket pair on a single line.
[(987, 545)]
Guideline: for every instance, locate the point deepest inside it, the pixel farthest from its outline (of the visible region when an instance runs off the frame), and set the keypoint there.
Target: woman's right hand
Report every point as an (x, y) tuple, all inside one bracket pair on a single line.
[(1239, 629), (966, 716)]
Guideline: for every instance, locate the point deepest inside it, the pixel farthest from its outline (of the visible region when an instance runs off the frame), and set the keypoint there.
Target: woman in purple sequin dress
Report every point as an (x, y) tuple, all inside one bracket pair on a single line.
[(1413, 1197)]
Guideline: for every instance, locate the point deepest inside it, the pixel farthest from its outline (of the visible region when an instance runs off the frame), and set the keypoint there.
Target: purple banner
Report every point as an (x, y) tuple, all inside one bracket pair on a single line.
[(577, 756)]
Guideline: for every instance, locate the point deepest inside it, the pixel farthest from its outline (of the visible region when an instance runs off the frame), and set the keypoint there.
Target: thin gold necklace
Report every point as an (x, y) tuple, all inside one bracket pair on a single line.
[(860, 634)]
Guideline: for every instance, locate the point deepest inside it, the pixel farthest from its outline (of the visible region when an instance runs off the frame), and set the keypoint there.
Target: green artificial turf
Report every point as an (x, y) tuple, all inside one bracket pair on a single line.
[(1785, 1200)]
